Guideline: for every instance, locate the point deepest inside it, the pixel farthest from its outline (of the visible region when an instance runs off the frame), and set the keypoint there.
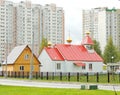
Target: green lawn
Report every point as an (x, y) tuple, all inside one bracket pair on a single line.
[(13, 90)]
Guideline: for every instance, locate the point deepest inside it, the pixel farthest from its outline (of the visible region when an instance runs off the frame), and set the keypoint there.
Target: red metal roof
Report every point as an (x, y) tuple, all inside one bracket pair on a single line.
[(54, 54), (87, 41), (77, 53), (72, 53)]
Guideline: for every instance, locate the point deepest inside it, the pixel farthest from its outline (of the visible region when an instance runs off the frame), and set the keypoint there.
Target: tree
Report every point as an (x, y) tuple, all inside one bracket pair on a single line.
[(110, 52), (43, 44), (97, 47)]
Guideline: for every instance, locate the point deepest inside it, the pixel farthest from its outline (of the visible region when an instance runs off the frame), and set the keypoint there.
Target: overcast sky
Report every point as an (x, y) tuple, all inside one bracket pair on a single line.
[(73, 13)]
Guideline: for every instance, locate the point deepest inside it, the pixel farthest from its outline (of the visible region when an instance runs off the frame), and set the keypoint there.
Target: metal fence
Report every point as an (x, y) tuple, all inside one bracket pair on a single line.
[(69, 76)]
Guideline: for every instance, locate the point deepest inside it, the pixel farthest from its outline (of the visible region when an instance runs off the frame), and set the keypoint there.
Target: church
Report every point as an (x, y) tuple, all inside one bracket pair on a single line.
[(71, 58)]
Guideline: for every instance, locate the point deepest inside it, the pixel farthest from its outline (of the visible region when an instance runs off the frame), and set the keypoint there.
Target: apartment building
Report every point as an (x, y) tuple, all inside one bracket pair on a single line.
[(7, 28), (103, 23), (53, 23), (90, 21), (27, 23)]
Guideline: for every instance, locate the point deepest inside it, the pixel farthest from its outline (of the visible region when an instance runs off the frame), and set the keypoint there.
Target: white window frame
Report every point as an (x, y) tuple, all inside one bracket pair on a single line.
[(26, 57)]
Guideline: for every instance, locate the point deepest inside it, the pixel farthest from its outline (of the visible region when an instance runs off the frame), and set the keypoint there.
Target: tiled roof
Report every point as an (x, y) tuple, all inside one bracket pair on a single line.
[(72, 53)]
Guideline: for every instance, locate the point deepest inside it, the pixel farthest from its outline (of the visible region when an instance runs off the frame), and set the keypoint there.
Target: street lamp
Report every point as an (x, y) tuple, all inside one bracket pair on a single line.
[(112, 62), (112, 59)]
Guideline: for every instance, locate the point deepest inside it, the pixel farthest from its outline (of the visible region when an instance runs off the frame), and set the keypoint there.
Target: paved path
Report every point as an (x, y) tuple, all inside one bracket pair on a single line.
[(31, 83)]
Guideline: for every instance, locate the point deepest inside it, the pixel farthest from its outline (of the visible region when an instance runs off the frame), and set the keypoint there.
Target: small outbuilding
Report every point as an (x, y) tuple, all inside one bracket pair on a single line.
[(20, 59)]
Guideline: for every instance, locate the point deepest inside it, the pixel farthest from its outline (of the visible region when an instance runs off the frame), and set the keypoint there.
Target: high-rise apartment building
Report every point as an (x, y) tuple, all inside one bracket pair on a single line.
[(90, 21), (7, 28), (27, 23), (53, 23), (103, 23)]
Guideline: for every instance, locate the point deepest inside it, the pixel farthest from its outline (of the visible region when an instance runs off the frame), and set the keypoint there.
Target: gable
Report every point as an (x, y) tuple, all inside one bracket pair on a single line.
[(17, 55), (25, 58)]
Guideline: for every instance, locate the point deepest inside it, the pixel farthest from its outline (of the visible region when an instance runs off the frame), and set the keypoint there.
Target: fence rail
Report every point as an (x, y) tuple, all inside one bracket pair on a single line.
[(69, 76)]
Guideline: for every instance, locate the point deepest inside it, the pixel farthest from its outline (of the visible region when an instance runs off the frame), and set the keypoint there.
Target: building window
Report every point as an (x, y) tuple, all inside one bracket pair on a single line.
[(21, 68), (90, 66), (58, 66), (26, 57), (83, 67)]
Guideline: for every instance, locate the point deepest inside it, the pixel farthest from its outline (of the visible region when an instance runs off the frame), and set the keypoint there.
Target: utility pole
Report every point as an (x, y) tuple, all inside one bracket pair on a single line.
[(32, 50), (5, 73), (31, 60)]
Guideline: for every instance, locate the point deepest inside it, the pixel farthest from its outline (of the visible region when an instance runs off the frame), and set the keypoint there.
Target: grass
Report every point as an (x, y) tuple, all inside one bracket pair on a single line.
[(16, 90)]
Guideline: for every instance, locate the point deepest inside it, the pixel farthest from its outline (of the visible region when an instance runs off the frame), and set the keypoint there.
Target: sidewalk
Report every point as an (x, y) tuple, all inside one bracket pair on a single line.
[(31, 83)]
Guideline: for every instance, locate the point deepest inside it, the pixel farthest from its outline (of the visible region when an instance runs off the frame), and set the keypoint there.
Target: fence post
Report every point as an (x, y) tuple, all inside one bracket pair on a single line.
[(97, 77), (77, 77), (47, 76), (52, 75), (108, 77), (119, 77), (69, 76), (87, 75), (15, 75), (60, 75)]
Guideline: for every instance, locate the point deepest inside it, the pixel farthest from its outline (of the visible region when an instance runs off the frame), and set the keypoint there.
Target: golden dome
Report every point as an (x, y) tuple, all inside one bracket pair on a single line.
[(49, 43), (69, 40), (87, 33)]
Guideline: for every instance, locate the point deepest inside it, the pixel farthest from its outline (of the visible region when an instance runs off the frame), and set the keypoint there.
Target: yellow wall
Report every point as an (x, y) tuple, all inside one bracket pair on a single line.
[(21, 61), (9, 68), (26, 68)]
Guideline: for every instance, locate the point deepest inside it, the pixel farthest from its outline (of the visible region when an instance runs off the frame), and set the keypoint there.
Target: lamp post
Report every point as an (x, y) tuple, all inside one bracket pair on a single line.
[(112, 67), (112, 62)]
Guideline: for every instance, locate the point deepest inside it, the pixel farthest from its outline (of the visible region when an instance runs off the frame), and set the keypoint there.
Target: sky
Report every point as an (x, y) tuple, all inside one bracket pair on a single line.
[(73, 13)]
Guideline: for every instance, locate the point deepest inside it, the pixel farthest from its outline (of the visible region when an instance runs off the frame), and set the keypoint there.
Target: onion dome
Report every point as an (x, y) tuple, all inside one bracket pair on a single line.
[(69, 40), (49, 43)]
